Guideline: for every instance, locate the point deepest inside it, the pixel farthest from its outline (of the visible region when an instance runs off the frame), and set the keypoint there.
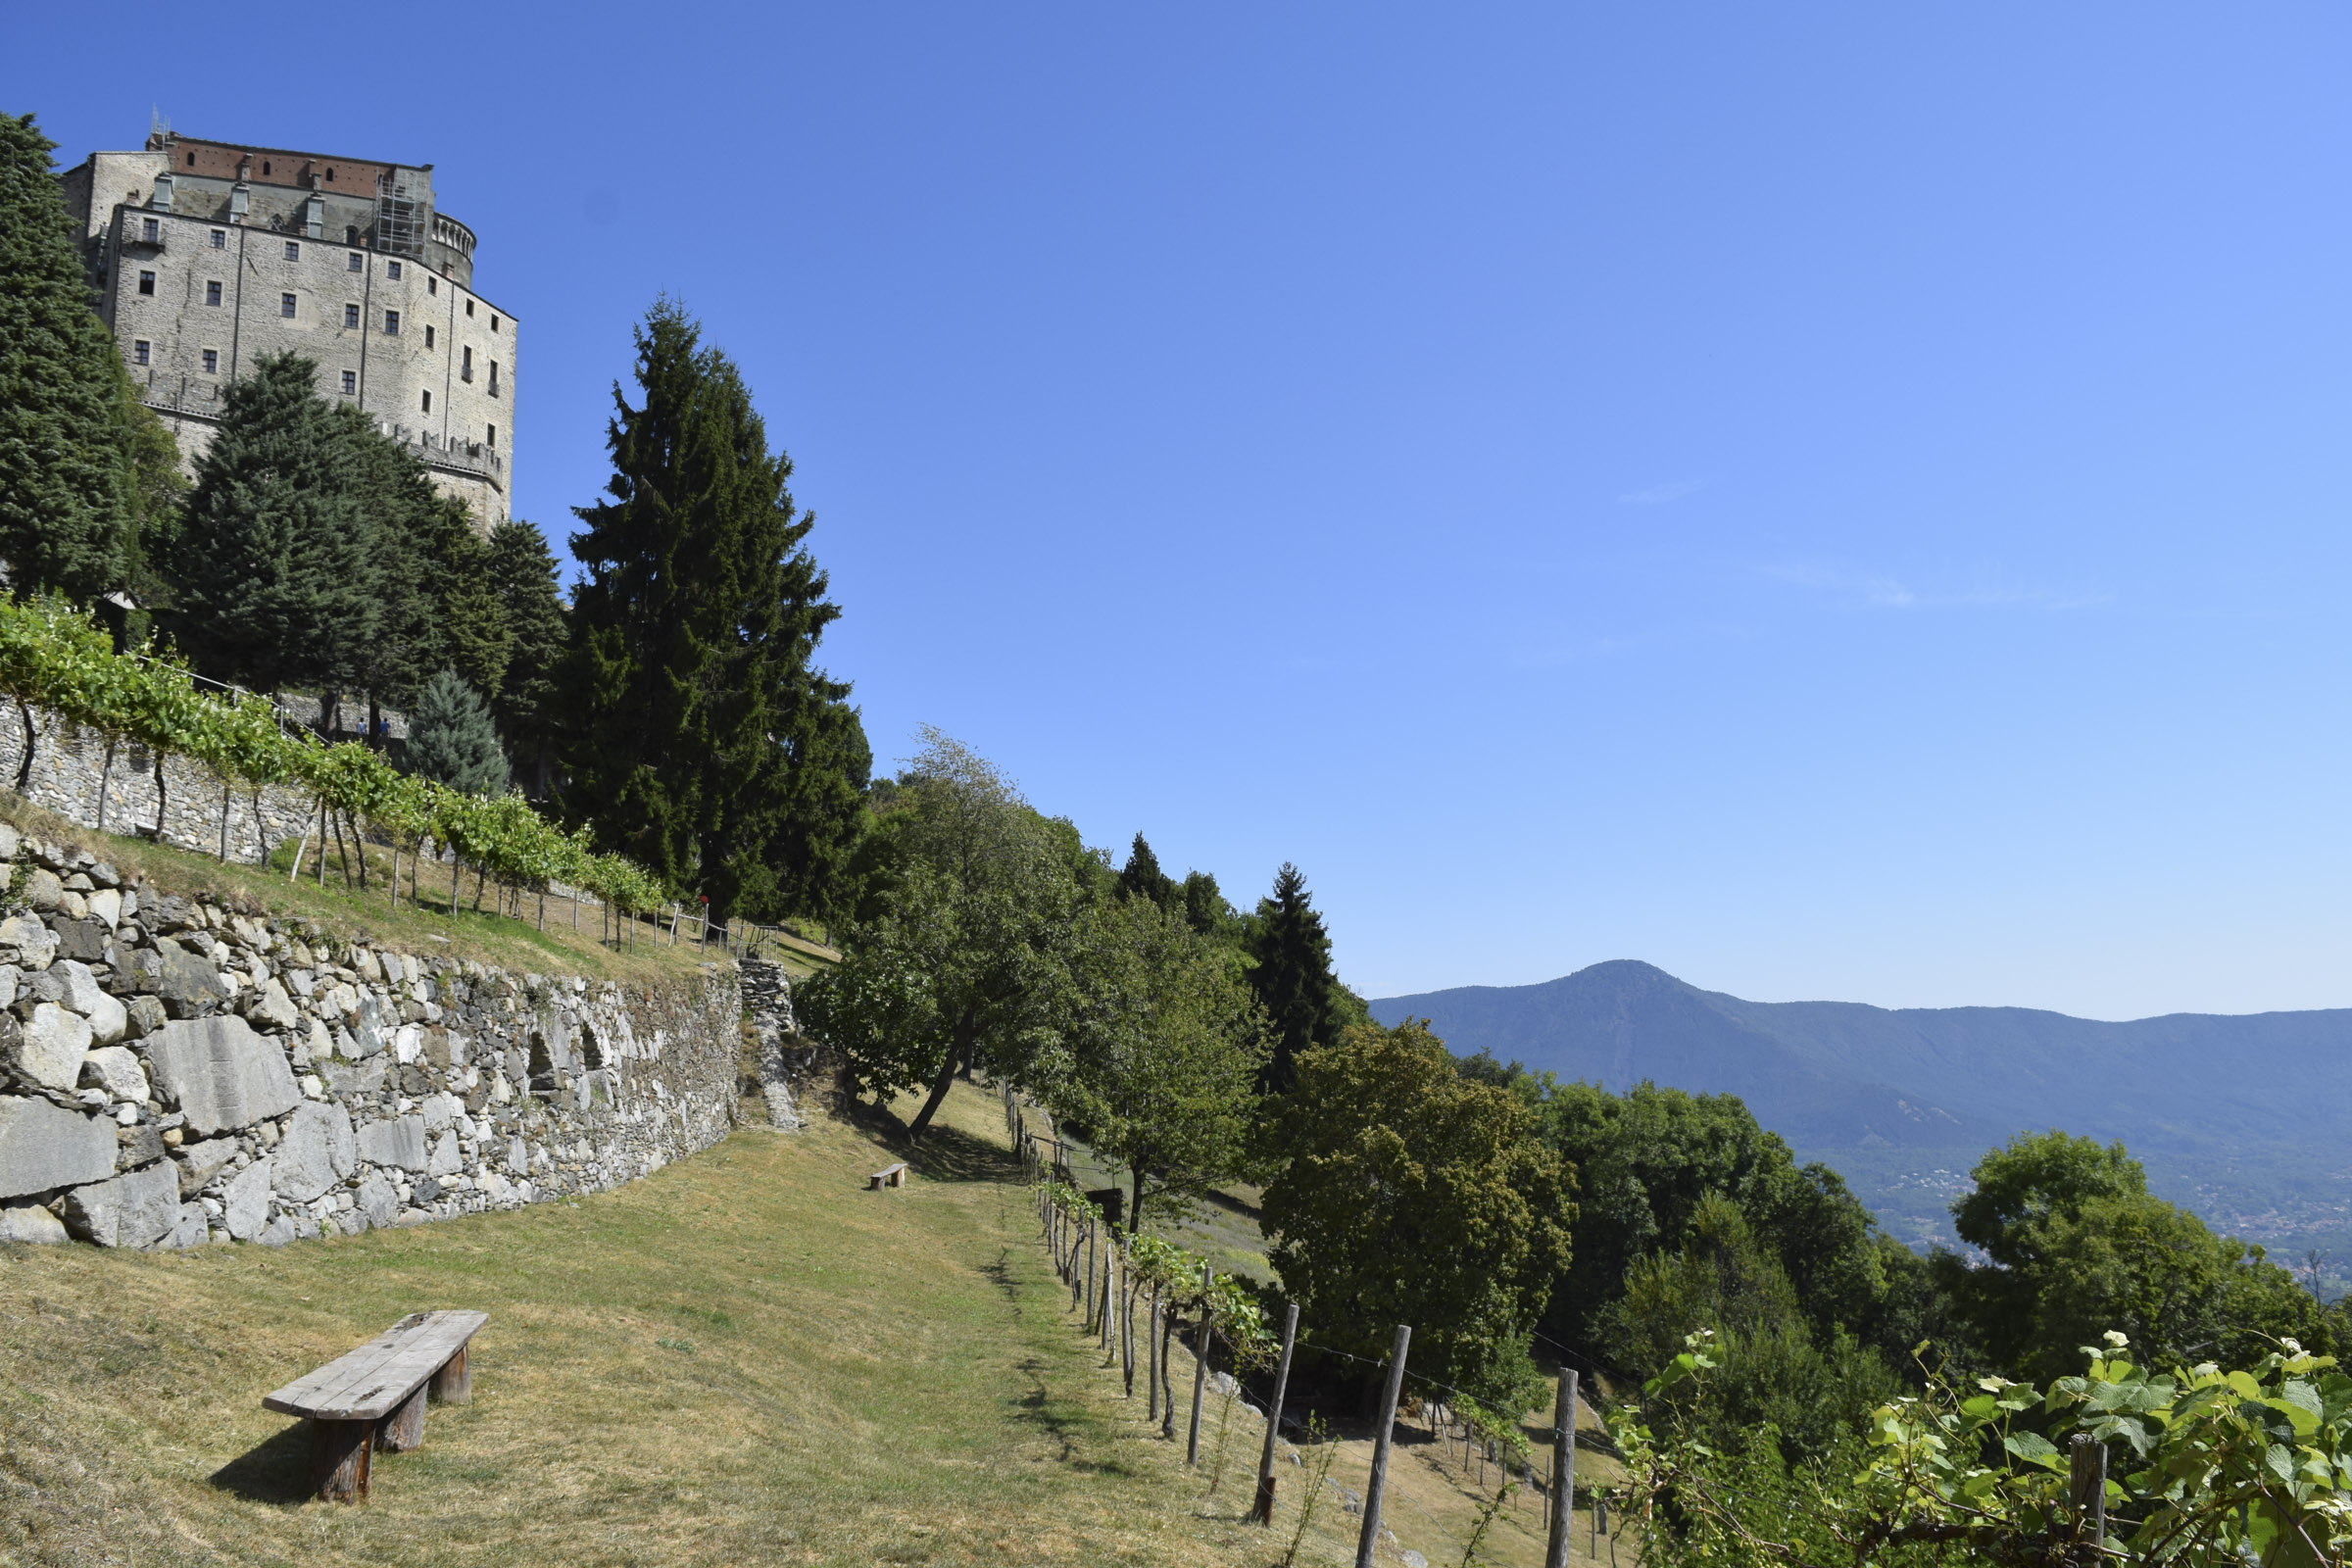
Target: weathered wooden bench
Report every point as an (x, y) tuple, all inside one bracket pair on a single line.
[(374, 1396), (887, 1176)]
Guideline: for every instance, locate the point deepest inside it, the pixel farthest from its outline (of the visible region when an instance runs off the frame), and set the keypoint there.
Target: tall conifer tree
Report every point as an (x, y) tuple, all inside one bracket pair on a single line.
[(1303, 1000), (69, 498), (697, 709), (1142, 878), (274, 568), (522, 575)]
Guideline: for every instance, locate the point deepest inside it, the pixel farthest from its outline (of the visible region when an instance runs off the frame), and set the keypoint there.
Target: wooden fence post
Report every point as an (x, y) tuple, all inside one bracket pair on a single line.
[(1151, 1359), (1127, 1317), (1370, 1538), (2087, 1485), (1563, 1470), (1282, 1382), (1192, 1441)]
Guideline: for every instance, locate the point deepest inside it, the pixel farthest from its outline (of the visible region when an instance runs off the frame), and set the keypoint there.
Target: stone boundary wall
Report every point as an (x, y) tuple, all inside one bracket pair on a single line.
[(786, 1056), (175, 1072), (68, 759)]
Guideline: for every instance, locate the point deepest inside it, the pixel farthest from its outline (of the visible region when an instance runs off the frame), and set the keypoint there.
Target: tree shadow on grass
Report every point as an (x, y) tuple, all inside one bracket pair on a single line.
[(942, 1154), (276, 1470), (1038, 1408)]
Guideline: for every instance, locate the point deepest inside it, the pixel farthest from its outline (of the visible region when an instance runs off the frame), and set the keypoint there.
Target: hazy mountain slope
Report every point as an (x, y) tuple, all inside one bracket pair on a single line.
[(2247, 1119)]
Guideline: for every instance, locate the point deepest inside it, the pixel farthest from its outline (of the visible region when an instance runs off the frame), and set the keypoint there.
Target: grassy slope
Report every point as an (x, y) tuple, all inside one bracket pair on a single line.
[(745, 1357)]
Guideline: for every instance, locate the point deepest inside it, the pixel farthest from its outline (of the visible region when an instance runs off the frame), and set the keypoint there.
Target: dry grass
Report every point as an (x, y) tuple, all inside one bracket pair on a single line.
[(485, 937), (746, 1358)]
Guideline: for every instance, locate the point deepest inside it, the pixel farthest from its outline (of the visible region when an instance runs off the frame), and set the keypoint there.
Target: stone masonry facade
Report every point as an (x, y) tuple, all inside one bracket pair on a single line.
[(208, 254), (176, 1072)]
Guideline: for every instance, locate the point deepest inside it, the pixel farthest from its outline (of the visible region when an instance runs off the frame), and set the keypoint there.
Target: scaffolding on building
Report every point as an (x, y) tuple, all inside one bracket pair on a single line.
[(401, 218)]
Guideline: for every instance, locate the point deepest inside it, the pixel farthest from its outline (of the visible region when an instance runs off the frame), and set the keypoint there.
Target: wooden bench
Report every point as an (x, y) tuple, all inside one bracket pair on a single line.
[(887, 1176), (374, 1396)]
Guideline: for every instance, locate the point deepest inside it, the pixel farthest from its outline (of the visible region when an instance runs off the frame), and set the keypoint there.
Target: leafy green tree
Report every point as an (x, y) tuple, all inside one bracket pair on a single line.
[(522, 575), (69, 498), (691, 673), (1407, 1193), (959, 955), (2081, 1246), (274, 568), (452, 740), (1205, 910), (1303, 1000), (1142, 878), (1165, 1043)]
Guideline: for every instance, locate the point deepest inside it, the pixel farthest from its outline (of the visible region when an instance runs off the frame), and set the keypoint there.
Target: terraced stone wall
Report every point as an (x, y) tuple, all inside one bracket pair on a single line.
[(176, 1072)]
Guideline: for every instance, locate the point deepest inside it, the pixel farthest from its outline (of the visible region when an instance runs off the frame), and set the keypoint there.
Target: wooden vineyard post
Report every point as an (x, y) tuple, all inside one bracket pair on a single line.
[(2087, 1485), (1370, 1538), (1110, 1270), (1192, 1441), (1087, 1324), (1127, 1316), (1151, 1359), (159, 830), (1264, 1513), (1563, 1471)]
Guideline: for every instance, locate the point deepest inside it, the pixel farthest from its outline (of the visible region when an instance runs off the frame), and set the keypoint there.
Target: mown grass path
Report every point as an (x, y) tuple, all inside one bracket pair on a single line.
[(743, 1358)]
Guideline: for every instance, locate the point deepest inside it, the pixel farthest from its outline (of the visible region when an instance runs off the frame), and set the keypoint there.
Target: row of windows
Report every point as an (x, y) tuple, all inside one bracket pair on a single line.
[(357, 262)]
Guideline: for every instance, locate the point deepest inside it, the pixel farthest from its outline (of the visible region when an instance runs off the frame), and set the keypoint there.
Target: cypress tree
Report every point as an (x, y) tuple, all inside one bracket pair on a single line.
[(1142, 878), (451, 738), (522, 576), (275, 569), (1303, 1000), (69, 498), (436, 609), (697, 710)]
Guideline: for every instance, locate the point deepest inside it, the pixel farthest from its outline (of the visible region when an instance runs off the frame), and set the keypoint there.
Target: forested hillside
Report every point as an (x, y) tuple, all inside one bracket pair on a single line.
[(1902, 1101)]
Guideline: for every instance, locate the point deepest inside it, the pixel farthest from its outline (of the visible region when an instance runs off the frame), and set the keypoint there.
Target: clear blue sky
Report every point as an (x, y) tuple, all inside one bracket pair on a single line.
[(1835, 500)]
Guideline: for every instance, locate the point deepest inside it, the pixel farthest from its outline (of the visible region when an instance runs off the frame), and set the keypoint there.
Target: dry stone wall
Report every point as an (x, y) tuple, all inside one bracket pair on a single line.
[(175, 1072), (198, 808)]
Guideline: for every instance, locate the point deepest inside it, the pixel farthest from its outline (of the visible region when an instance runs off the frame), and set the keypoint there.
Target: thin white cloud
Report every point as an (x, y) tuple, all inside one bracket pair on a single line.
[(1658, 495), (1878, 591)]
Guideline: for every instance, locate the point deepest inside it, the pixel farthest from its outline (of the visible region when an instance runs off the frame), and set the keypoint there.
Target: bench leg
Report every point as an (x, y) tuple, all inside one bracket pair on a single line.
[(404, 1429), (453, 1383), (339, 1452)]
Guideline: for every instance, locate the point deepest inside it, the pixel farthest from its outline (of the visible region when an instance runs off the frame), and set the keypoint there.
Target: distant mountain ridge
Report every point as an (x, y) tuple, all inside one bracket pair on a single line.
[(2245, 1118)]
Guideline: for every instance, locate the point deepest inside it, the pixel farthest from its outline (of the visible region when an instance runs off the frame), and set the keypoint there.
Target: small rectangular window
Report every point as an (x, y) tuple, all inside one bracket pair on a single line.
[(392, 271), (212, 362), (470, 306), (293, 250), (428, 336), (493, 436), (354, 263), (494, 378), (150, 230), (466, 365), (146, 283), (432, 285), (351, 383), (211, 292), (493, 321), (139, 352), (391, 323), (351, 315), (285, 305), (428, 403), (220, 239)]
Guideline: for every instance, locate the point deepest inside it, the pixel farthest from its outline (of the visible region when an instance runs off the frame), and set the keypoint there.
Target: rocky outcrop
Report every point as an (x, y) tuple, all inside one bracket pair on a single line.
[(175, 1071)]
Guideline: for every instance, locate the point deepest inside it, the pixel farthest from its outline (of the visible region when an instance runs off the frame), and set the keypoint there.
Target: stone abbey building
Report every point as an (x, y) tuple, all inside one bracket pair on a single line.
[(208, 254)]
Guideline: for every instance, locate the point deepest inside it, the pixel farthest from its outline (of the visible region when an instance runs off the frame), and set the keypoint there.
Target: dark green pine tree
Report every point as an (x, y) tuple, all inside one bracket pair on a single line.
[(1303, 1000), (522, 574), (274, 568), (1142, 878), (693, 697), (435, 608), (451, 738), (69, 496)]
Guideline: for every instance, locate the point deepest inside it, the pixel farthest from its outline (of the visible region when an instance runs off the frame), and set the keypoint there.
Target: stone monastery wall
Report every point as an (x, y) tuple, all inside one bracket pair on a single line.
[(174, 1072)]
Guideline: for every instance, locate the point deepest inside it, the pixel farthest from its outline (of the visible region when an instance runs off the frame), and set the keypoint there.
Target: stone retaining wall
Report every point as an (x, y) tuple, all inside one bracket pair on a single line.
[(174, 1072), (67, 764)]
